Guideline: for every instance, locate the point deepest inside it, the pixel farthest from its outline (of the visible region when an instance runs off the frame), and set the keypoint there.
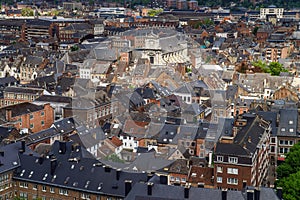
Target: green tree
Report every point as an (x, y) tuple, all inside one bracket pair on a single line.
[(288, 174), (154, 12), (27, 12), (276, 68)]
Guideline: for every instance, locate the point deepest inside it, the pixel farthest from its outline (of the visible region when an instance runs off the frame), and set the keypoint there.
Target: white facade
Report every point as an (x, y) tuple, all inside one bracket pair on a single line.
[(271, 11), (129, 142)]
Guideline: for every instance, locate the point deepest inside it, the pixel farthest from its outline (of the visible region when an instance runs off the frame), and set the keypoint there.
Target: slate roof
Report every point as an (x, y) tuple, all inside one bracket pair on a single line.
[(52, 99), (288, 122), (23, 90), (10, 159), (7, 80), (75, 171), (168, 192), (21, 109), (241, 145), (148, 162)]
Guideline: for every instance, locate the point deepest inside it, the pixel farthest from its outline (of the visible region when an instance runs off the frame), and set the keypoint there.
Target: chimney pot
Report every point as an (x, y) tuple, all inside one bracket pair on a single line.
[(186, 191), (22, 146), (279, 192), (127, 186), (257, 194), (149, 188), (118, 173), (224, 194), (250, 194), (53, 165)]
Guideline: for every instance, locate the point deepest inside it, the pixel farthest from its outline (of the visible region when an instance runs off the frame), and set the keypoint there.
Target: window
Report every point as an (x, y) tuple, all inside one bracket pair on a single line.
[(220, 169), (43, 198), (233, 160), (233, 181), (232, 171), (52, 189), (31, 126), (183, 180), (31, 116), (35, 187), (283, 129), (219, 179), (63, 192), (85, 196), (177, 179), (172, 178), (220, 158), (23, 185), (42, 113), (281, 142), (42, 123), (291, 130), (273, 140), (291, 122), (23, 195), (44, 188), (291, 142)]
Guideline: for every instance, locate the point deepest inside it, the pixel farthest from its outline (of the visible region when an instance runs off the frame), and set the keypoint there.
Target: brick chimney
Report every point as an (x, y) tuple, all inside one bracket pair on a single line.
[(8, 114)]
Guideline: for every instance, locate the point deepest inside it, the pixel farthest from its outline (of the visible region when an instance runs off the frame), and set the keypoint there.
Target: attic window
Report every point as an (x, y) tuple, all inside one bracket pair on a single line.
[(282, 129), (100, 186), (87, 184), (291, 122)]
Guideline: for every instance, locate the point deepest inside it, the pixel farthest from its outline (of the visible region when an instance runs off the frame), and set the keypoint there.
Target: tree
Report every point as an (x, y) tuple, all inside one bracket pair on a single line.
[(274, 68), (288, 174), (154, 12), (27, 12)]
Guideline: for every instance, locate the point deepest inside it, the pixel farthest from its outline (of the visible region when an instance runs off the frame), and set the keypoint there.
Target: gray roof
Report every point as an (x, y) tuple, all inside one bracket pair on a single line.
[(75, 169), (10, 159), (288, 122)]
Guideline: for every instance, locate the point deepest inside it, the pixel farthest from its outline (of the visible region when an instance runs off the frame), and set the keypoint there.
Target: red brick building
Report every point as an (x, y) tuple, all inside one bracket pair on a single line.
[(243, 159), (27, 117)]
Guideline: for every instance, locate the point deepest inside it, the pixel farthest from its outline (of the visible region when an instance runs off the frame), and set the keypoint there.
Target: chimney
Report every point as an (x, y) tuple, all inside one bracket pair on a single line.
[(149, 189), (8, 114), (107, 169), (2, 153), (127, 186), (210, 154), (244, 185), (224, 194), (257, 194), (62, 147), (41, 160), (22, 150), (279, 192), (186, 191), (250, 194), (118, 173), (53, 165), (200, 185), (163, 179), (149, 176)]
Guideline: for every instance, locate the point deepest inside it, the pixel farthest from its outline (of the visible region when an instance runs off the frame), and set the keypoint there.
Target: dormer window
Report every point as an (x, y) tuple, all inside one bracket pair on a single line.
[(220, 158), (233, 160)]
